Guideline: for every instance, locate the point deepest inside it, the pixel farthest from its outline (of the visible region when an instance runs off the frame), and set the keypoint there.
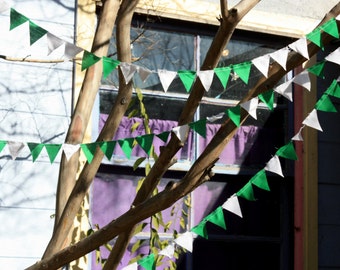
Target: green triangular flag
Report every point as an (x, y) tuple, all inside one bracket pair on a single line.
[(145, 141), (89, 59), (109, 65), (89, 150), (200, 127), (247, 192), (217, 217), (260, 180), (234, 114), (148, 262), (16, 19), (107, 148), (36, 32), (52, 151), (164, 136), (127, 146), (315, 37), (317, 69), (333, 89), (325, 104), (201, 229), (287, 151), (2, 145), (35, 149), (187, 77), (268, 98), (243, 70), (223, 74), (331, 28)]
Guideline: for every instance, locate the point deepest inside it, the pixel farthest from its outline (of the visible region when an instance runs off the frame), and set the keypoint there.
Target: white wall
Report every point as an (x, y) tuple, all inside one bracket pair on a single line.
[(35, 106)]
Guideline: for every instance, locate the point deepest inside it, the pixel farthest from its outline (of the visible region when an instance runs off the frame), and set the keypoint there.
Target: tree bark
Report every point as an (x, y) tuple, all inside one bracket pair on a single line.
[(198, 174)]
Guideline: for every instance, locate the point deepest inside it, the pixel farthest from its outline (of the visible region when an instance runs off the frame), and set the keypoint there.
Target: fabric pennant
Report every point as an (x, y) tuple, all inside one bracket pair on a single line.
[(70, 149), (201, 229), (2, 145), (127, 146), (217, 218), (53, 42), (35, 149), (285, 90), (260, 180), (14, 148), (312, 120), (303, 80), (247, 192), (71, 51), (166, 77), (168, 251), (4, 6), (145, 141), (200, 127), (274, 165), (333, 89), (88, 60), (243, 70), (128, 70), (109, 65), (232, 205), (316, 37), (318, 69), (164, 136), (143, 73), (16, 19), (251, 106), (89, 149), (215, 117), (181, 132), (206, 78), (234, 114), (331, 28), (301, 47), (287, 151), (107, 148), (280, 56), (298, 135), (187, 77), (52, 151), (223, 74), (148, 262), (325, 104), (132, 266), (268, 98), (185, 241), (262, 64), (334, 56), (36, 32)]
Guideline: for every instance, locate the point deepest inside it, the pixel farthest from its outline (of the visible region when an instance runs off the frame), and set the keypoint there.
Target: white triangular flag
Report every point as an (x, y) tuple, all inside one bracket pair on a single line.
[(71, 51), (4, 6), (250, 106), (70, 149), (274, 166), (280, 56), (301, 47), (143, 73), (334, 56), (185, 240), (303, 80), (128, 70), (132, 266), (53, 42), (15, 148), (215, 117), (298, 136), (262, 64), (312, 120), (166, 77), (285, 90), (206, 78), (181, 132), (168, 251), (233, 205)]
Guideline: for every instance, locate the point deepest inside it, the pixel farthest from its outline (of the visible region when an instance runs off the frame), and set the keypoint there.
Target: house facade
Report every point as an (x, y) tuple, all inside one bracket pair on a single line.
[(295, 225)]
